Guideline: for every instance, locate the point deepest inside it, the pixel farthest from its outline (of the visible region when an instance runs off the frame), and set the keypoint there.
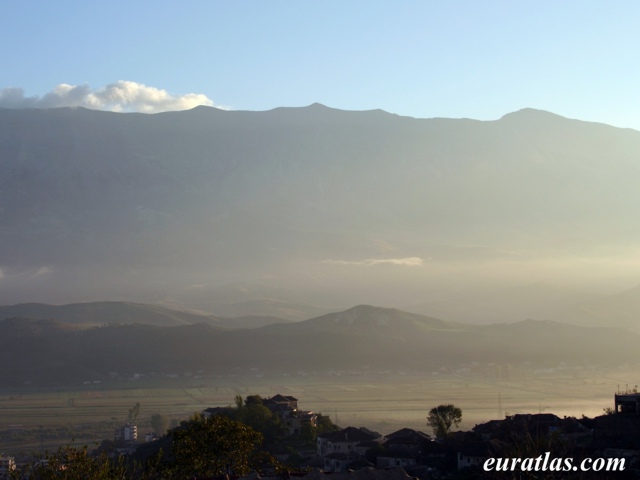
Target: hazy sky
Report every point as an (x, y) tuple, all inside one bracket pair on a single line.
[(477, 59)]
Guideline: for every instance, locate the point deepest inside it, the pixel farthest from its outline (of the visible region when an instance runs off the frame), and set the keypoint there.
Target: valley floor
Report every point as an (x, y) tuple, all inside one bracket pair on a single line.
[(34, 419)]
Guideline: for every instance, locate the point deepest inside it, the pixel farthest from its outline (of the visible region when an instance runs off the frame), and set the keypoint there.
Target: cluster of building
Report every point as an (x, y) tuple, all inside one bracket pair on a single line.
[(286, 407), (349, 447), (293, 419), (616, 435), (352, 448)]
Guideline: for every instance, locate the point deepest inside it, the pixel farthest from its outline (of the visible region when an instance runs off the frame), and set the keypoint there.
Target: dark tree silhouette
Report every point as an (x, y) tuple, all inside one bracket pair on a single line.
[(442, 418)]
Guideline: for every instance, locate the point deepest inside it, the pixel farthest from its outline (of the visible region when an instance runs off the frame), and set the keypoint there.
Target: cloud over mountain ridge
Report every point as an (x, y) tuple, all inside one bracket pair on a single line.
[(120, 96)]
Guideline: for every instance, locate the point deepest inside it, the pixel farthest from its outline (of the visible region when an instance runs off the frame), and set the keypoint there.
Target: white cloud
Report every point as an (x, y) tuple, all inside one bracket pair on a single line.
[(121, 96), (406, 262)]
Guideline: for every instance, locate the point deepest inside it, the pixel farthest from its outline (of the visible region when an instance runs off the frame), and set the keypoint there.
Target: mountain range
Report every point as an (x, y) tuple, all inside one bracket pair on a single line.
[(94, 314), (338, 207), (362, 338)]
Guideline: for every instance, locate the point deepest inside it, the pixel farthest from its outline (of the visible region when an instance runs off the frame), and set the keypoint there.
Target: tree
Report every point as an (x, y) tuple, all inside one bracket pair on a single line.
[(71, 463), (374, 452), (134, 412), (442, 417), (253, 400), (160, 423), (325, 425), (263, 420), (308, 433), (206, 447)]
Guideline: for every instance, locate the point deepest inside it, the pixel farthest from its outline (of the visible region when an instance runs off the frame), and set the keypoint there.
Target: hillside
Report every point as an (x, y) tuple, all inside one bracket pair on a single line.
[(353, 207), (619, 310), (125, 313), (359, 338), (245, 299)]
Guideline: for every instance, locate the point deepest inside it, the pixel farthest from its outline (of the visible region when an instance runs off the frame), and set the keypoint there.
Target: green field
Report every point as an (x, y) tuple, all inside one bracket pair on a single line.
[(33, 419)]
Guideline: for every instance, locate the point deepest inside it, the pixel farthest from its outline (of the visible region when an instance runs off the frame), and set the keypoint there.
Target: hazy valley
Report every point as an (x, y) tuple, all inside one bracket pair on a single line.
[(184, 257)]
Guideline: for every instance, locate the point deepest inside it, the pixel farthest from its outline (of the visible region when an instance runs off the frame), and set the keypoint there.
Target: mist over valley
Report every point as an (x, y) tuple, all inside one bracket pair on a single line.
[(185, 257)]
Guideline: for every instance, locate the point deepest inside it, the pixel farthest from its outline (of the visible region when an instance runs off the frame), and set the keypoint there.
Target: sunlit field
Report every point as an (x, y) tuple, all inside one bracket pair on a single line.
[(34, 420)]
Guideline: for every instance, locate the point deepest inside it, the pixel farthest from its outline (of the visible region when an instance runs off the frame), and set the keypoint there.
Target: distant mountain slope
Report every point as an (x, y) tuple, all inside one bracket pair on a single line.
[(358, 338), (251, 321), (98, 313), (104, 313), (100, 204), (377, 320), (511, 303), (619, 310), (245, 299)]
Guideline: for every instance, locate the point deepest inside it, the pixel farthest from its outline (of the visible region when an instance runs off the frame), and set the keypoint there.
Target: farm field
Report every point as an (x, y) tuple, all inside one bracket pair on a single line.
[(34, 419)]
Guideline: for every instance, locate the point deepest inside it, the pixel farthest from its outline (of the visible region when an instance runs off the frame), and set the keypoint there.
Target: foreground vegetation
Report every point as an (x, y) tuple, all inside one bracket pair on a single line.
[(228, 443), (200, 447)]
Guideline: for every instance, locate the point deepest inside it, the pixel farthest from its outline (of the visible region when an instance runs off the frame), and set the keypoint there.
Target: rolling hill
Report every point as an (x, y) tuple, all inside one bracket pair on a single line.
[(363, 337), (90, 314)]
